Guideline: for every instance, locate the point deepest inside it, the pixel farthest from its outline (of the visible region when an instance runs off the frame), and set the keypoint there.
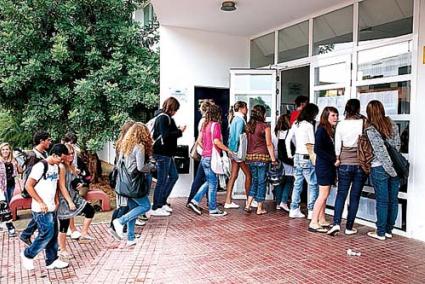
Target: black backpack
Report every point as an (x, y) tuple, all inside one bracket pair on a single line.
[(31, 160), (282, 155)]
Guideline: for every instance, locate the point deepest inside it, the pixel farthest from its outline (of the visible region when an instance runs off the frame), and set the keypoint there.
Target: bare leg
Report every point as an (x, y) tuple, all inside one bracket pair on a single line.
[(249, 201), (260, 209), (247, 173), (319, 205), (231, 182), (72, 225), (62, 241), (86, 224)]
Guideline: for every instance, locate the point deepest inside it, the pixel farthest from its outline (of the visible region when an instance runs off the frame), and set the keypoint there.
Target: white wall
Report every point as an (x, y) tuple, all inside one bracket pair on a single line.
[(192, 58)]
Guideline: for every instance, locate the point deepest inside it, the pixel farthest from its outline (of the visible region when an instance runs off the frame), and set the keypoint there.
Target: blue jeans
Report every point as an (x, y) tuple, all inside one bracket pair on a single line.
[(167, 177), (209, 186), (9, 193), (283, 189), (47, 237), (258, 180), (386, 191), (137, 206), (354, 176), (198, 181), (304, 169), (30, 229)]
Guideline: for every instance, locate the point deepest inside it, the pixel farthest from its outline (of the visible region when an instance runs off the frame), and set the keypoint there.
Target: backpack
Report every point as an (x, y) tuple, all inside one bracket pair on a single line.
[(30, 160), (282, 155), (151, 126), (364, 151), (24, 192), (275, 174)]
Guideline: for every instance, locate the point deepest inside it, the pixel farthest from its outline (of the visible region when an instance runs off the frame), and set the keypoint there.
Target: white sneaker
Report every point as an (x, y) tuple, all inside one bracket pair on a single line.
[(68, 233), (160, 213), (131, 243), (57, 264), (167, 208), (296, 213), (388, 235), (376, 236), (140, 223), (231, 205), (27, 263), (310, 214), (284, 206), (254, 204), (119, 228), (75, 235), (353, 231)]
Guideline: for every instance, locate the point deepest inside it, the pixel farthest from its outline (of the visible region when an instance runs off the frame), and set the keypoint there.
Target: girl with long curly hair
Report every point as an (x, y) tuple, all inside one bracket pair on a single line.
[(135, 149)]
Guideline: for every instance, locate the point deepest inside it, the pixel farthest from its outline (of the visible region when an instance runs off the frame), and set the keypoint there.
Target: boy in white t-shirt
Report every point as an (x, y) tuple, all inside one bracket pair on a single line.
[(42, 186)]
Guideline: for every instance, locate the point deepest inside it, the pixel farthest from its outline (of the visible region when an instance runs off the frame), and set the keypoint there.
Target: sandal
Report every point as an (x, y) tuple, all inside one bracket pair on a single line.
[(325, 225), (86, 239), (317, 230), (247, 209), (262, 212)]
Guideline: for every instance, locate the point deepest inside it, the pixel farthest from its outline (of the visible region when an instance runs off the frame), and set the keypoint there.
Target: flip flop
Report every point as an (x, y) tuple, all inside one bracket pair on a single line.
[(247, 210), (262, 212), (317, 230)]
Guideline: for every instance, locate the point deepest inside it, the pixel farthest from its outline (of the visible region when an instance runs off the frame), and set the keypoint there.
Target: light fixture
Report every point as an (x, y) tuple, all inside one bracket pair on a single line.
[(228, 6)]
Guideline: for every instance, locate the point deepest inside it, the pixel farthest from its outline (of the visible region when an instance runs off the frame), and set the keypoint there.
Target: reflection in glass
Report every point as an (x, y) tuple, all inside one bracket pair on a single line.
[(403, 127), (252, 100), (262, 51), (295, 82), (394, 96), (293, 42), (330, 74), (333, 31), (385, 61), (380, 19)]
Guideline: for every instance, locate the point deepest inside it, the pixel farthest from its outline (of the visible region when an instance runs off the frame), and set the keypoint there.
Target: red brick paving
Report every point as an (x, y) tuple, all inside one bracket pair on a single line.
[(238, 248)]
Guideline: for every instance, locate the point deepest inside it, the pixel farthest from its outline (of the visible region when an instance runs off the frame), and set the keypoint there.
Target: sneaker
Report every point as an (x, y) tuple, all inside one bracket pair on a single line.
[(75, 235), (11, 230), (310, 214), (195, 208), (254, 204), (57, 264), (296, 213), (26, 241), (231, 205), (68, 233), (284, 206), (159, 212), (140, 223), (119, 228), (278, 207), (143, 217), (131, 243), (353, 231), (388, 235), (114, 233), (218, 213), (27, 263), (376, 236), (334, 230), (167, 208)]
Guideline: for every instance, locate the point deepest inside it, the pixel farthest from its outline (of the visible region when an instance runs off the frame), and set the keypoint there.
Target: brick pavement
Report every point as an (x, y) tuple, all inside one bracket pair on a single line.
[(238, 248)]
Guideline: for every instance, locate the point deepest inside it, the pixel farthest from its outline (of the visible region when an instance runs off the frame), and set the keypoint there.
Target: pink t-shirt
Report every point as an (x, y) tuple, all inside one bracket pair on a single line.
[(207, 139)]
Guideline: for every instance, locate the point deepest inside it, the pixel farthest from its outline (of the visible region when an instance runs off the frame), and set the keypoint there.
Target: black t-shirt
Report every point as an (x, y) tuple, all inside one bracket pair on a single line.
[(9, 173)]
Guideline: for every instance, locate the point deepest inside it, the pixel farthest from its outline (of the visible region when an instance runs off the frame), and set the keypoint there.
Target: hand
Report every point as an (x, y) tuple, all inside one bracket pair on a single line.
[(43, 207), (337, 163), (80, 185), (274, 163), (77, 171), (72, 206), (182, 128)]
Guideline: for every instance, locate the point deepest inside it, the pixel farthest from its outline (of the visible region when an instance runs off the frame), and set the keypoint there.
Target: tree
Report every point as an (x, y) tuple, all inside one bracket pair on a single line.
[(80, 65)]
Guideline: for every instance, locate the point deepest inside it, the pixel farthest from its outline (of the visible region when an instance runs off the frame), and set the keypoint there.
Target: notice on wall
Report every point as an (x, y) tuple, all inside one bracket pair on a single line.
[(388, 98), (337, 101)]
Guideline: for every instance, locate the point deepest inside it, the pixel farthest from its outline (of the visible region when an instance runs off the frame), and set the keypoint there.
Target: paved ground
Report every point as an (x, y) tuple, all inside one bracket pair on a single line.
[(239, 248)]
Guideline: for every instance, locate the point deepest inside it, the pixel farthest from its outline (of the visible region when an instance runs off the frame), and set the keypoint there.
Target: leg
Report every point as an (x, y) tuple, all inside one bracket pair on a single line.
[(52, 246), (313, 189), (197, 182), (72, 225), (380, 184), (201, 192), (287, 188), (88, 212), (248, 176), (394, 186), (137, 207), (278, 191), (319, 205), (261, 189), (9, 193), (212, 185), (254, 184), (173, 176), (29, 230), (298, 187), (162, 165), (233, 176), (63, 228), (359, 178), (344, 182), (45, 224)]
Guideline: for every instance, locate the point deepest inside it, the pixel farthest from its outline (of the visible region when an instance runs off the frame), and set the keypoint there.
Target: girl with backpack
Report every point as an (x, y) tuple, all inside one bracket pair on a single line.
[(303, 131), (283, 190), (260, 153), (236, 128), (383, 176), (325, 167)]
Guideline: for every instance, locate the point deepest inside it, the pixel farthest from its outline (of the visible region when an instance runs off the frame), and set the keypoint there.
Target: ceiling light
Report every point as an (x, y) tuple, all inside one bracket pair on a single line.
[(228, 6)]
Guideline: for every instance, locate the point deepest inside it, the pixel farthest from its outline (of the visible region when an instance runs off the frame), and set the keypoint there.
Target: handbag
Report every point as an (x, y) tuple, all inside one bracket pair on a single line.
[(217, 165), (242, 148), (132, 185), (196, 151), (364, 151), (400, 163)]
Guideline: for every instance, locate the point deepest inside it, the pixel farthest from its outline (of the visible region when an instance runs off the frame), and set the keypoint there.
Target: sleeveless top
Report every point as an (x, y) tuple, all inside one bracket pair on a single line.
[(64, 212)]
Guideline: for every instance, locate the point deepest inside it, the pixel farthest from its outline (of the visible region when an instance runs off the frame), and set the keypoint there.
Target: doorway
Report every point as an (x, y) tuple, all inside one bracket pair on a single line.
[(295, 82)]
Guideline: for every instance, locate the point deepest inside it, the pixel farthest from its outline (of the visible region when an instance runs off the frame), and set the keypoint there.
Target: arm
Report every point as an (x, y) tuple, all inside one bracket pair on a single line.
[(269, 144), (380, 151), (63, 189), (217, 138), (288, 142), (165, 131), (338, 141), (140, 158), (31, 191)]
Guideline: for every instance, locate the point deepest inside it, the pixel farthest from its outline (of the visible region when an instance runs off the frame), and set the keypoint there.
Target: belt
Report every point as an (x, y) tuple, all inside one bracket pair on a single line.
[(305, 156)]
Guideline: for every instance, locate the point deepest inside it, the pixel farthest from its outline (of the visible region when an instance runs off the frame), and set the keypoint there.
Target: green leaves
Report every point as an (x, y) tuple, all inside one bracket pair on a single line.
[(76, 65)]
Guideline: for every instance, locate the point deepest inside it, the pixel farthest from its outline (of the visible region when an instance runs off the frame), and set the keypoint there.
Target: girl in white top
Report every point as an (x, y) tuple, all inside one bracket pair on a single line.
[(303, 131)]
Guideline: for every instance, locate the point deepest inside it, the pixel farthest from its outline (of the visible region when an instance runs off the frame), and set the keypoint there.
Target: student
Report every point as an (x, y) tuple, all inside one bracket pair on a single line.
[(42, 187), (351, 177), (165, 137), (237, 127), (42, 142), (283, 190), (9, 169), (211, 137), (303, 131), (136, 148), (69, 181), (259, 155), (300, 103), (383, 176), (325, 167)]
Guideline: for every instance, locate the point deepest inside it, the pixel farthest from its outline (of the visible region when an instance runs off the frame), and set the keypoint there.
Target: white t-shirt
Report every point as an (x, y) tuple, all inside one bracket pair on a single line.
[(45, 188), (303, 133)]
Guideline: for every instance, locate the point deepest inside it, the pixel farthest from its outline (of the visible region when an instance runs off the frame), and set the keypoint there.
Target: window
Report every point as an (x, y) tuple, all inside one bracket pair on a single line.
[(293, 42), (262, 51), (380, 19), (331, 97), (330, 74), (333, 31)]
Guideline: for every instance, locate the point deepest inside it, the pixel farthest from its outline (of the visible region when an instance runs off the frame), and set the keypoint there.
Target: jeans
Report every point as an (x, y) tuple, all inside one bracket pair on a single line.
[(386, 191), (47, 237), (354, 176), (137, 206), (120, 211), (258, 180), (167, 176), (304, 169), (283, 190), (30, 229), (209, 186), (9, 193), (198, 181)]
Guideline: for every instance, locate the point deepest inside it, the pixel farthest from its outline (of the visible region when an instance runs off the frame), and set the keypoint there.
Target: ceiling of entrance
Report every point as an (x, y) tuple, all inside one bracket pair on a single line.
[(250, 18)]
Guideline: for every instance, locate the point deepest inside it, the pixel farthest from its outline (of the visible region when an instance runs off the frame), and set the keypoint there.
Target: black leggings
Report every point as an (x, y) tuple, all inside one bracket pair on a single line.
[(88, 212)]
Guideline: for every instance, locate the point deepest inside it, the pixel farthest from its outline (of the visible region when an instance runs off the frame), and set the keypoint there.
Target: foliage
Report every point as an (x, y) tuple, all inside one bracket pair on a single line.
[(80, 65), (12, 132)]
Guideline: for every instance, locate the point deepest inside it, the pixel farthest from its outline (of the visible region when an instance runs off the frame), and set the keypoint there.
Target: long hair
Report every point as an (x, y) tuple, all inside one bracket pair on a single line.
[(10, 158), (352, 109), (205, 104), (324, 120), (138, 134), (283, 123), (376, 116), (170, 105), (308, 113), (69, 166), (213, 113), (126, 126), (258, 113)]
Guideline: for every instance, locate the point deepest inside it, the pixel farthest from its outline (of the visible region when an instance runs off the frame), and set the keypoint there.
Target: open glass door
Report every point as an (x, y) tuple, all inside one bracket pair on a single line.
[(254, 86)]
